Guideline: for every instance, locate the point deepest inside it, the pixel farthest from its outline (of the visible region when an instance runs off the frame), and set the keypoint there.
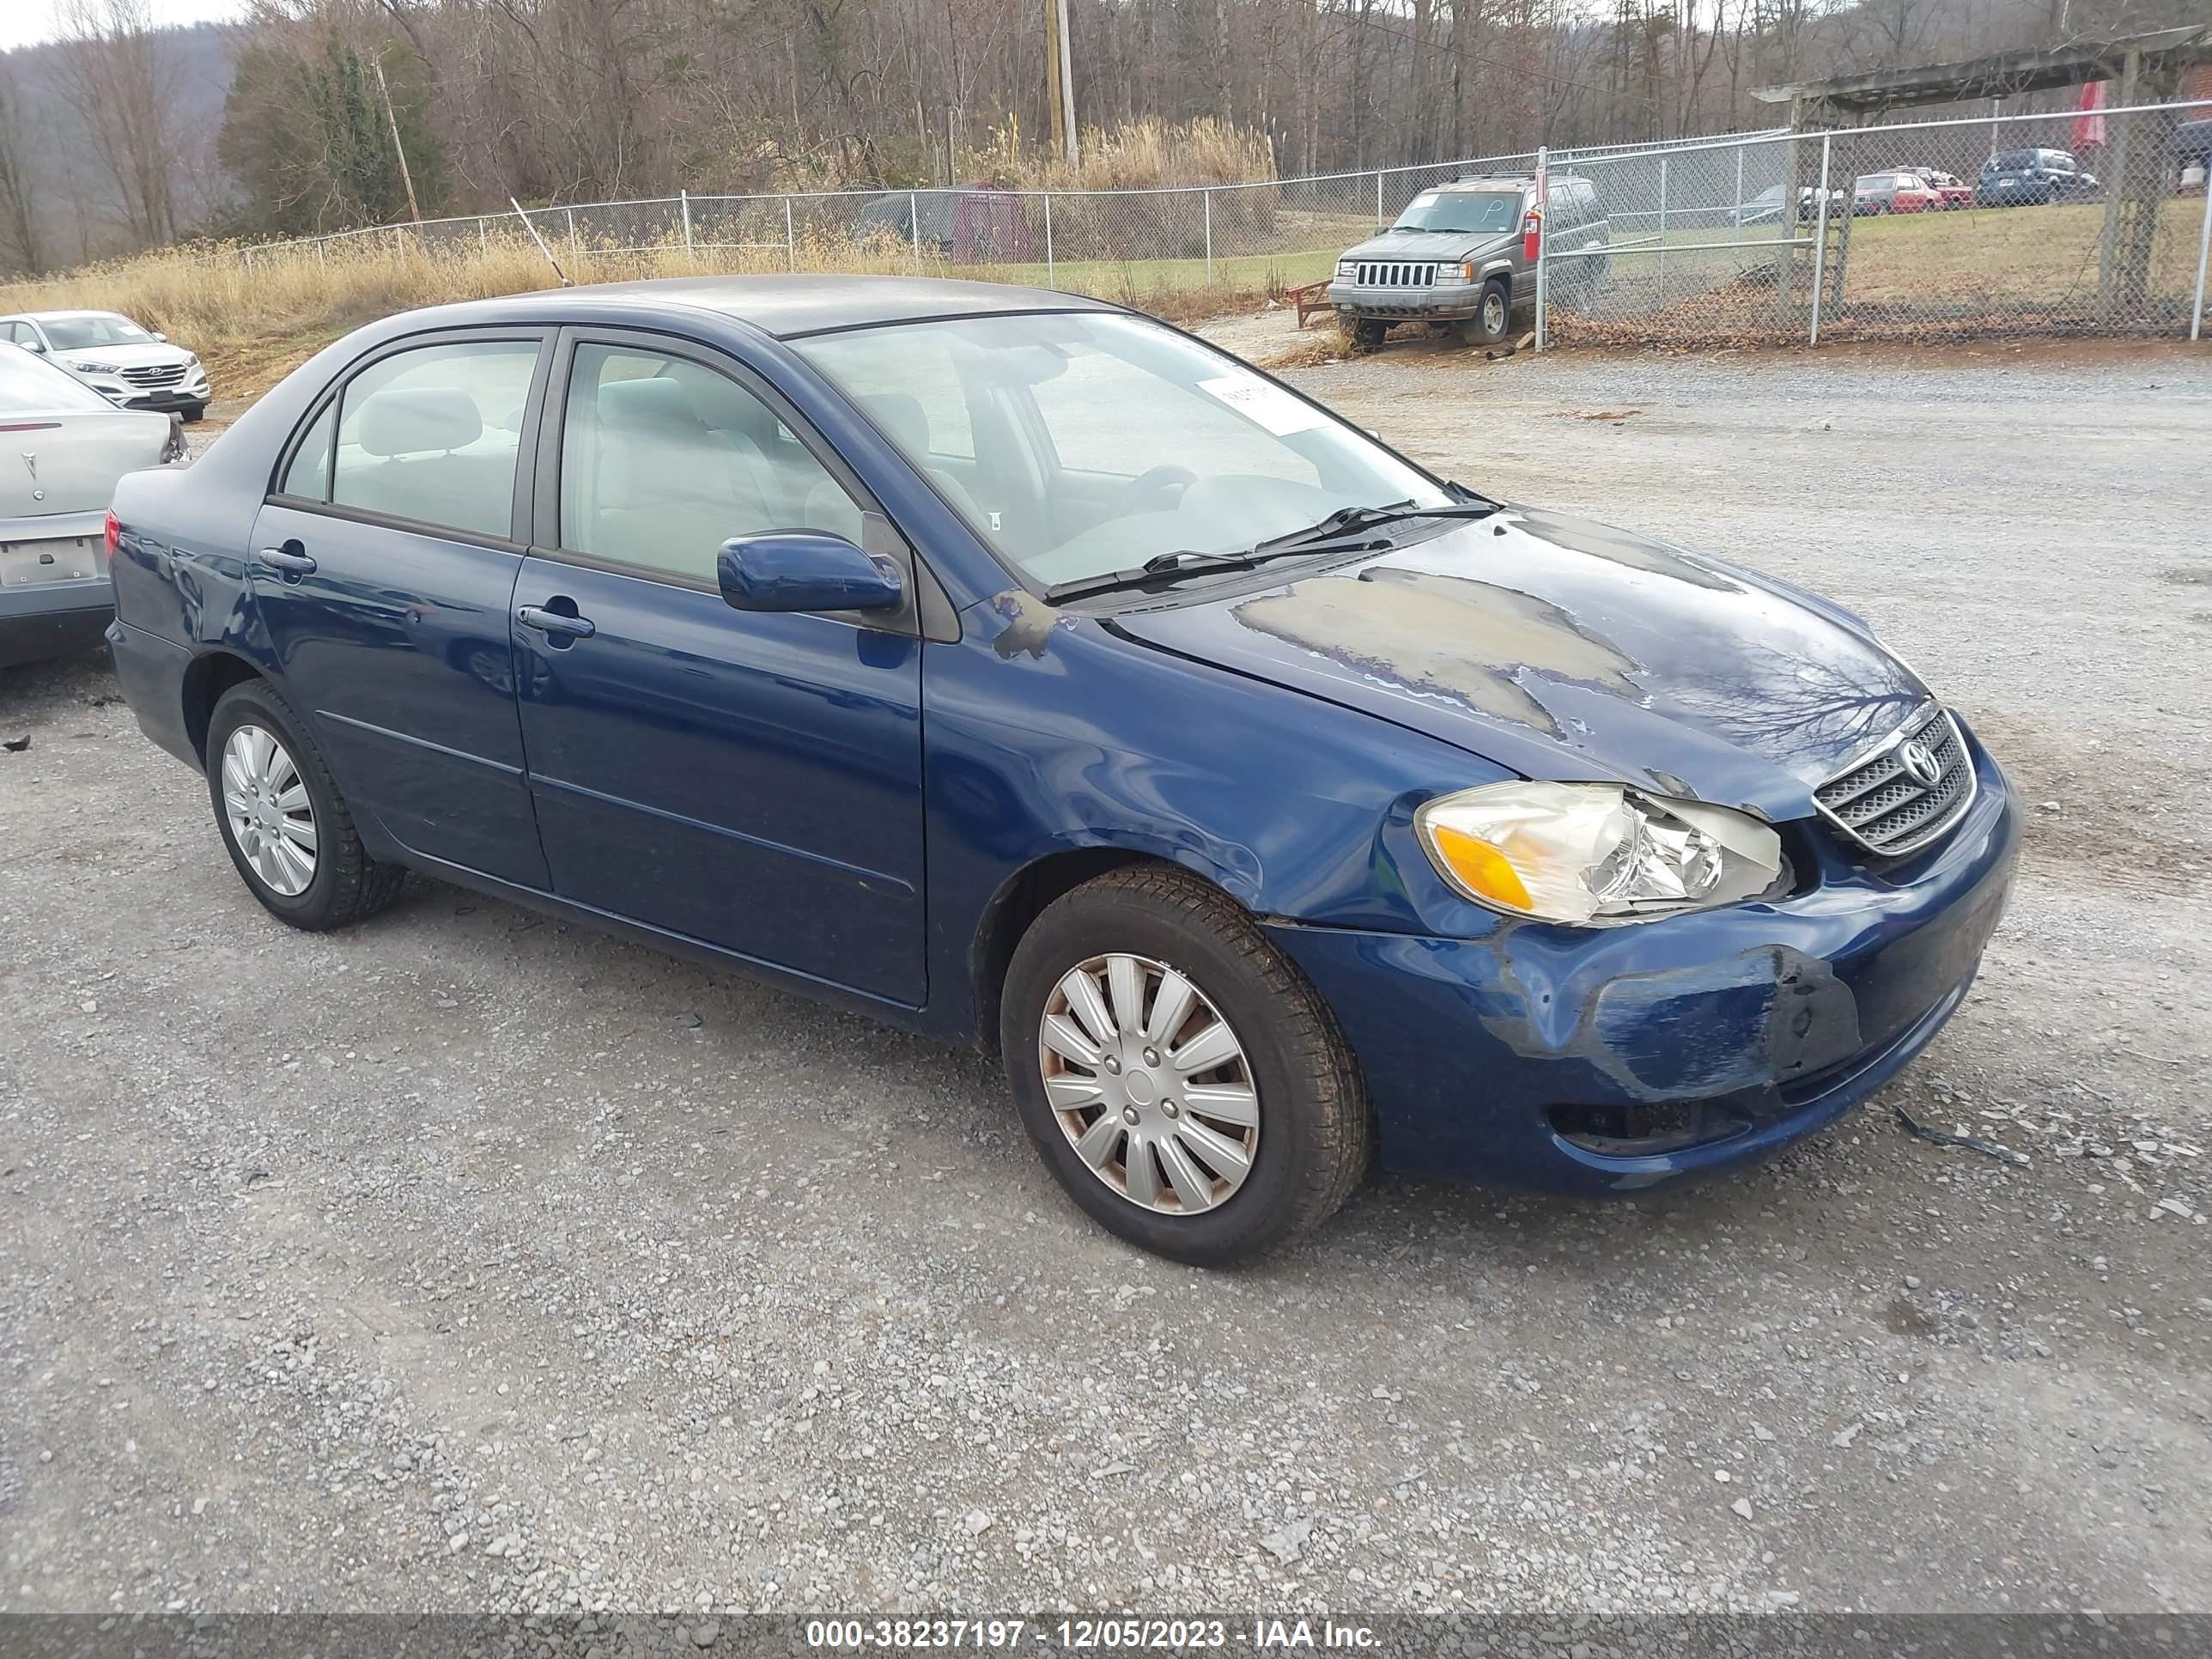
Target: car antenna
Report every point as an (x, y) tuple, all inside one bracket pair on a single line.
[(540, 241)]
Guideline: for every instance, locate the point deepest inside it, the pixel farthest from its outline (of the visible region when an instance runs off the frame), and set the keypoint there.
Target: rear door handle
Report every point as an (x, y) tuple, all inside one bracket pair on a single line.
[(290, 565), (552, 621)]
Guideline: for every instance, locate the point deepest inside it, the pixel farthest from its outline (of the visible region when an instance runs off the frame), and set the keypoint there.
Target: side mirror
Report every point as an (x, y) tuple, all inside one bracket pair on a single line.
[(39, 346), (162, 338), (805, 570)]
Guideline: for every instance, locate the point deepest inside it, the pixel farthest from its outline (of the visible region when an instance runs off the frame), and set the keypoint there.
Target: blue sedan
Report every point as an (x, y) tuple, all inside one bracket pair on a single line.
[(1026, 673)]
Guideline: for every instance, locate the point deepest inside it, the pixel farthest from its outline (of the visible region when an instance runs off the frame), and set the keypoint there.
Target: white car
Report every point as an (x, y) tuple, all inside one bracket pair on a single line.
[(62, 447), (127, 364)]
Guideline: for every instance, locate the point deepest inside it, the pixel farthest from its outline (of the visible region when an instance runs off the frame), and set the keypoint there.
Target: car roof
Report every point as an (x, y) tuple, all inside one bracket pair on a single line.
[(1494, 181), (57, 316), (790, 305)]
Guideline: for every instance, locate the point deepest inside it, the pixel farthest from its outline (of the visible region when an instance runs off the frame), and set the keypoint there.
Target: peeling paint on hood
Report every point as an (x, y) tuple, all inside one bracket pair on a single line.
[(1572, 651)]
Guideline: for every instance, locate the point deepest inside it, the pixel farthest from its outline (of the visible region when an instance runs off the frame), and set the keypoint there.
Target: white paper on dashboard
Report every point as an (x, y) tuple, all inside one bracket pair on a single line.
[(1269, 406)]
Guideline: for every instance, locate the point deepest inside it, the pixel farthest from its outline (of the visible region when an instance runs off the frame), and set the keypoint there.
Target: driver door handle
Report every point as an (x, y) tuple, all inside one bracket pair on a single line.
[(552, 621), (289, 566)]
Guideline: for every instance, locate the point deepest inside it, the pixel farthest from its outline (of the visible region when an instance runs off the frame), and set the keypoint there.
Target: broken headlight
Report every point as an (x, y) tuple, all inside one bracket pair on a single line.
[(1593, 853)]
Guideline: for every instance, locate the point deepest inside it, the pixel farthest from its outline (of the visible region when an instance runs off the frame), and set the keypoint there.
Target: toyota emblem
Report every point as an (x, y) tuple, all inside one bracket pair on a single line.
[(1919, 764)]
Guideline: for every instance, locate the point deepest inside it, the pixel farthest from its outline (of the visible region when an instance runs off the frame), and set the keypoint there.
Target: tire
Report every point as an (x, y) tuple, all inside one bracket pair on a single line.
[(1366, 333), (1493, 318), (192, 413), (344, 884), (1294, 1077)]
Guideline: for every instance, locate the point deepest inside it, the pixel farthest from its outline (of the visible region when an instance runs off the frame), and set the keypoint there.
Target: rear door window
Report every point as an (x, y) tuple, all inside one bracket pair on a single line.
[(433, 436)]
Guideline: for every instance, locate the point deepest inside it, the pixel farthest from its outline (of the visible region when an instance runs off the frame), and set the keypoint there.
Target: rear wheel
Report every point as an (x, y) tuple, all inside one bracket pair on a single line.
[(1181, 1079), (286, 827)]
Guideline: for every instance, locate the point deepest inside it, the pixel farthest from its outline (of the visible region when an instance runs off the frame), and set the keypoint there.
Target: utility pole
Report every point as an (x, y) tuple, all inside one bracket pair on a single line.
[(406, 175), (1059, 83)]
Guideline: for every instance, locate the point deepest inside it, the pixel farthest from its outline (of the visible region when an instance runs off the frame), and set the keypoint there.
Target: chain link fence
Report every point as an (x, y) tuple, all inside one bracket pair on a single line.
[(2054, 223), (2043, 224), (1268, 235)]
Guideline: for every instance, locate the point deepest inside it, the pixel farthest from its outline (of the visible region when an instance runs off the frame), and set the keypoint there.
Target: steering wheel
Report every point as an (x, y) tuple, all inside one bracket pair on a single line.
[(1156, 490)]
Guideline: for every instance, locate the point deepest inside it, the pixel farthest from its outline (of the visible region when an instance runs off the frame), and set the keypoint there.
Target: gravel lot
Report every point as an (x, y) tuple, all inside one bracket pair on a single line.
[(467, 1261)]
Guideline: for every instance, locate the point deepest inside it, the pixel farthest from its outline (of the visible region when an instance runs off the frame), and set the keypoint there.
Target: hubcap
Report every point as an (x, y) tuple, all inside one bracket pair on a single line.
[(265, 800), (1149, 1083), (1493, 312)]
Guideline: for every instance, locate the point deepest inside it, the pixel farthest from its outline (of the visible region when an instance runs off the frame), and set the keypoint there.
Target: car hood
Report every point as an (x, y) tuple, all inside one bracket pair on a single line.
[(1567, 650), (1429, 244), (151, 356)]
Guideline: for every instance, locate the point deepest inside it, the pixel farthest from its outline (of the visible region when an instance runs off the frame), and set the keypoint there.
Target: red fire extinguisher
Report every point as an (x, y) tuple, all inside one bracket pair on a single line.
[(1532, 232)]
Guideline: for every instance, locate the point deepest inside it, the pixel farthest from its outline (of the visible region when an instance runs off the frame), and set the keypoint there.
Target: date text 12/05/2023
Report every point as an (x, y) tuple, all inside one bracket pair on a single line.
[(1076, 1635)]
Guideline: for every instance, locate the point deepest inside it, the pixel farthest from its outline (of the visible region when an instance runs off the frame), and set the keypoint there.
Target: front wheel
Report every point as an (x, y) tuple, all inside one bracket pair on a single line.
[(1182, 1079), (1367, 333), (286, 827), (1493, 314)]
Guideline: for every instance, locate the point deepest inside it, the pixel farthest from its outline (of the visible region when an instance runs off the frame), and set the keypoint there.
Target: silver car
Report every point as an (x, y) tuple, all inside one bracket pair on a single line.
[(126, 363), (62, 447)]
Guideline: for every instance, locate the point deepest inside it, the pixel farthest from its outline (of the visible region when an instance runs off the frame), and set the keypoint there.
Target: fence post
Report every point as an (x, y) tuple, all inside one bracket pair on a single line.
[(1206, 197), (575, 261), (684, 199), (913, 225), (483, 236), (1050, 280), (1378, 198), (1820, 238), (1543, 247), (1788, 219), (1663, 232), (2204, 252), (790, 240)]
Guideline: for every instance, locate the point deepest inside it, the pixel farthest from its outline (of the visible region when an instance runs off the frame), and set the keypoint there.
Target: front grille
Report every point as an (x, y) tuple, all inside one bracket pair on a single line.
[(1882, 806), (161, 374), (1386, 273)]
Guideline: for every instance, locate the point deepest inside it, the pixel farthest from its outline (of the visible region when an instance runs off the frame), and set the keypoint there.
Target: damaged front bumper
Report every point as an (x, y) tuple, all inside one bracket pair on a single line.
[(1443, 303), (1617, 1059)]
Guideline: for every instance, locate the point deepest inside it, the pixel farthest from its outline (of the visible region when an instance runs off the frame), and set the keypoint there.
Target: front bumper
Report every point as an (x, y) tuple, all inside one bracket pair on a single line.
[(193, 391), (1707, 1041), (1456, 303)]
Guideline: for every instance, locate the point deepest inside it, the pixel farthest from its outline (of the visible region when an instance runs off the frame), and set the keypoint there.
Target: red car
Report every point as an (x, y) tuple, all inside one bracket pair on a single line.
[(1893, 192), (1946, 186)]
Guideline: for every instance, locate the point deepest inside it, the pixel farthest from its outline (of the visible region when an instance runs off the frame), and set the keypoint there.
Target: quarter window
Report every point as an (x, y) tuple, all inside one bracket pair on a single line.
[(663, 459), (432, 434), (308, 478)]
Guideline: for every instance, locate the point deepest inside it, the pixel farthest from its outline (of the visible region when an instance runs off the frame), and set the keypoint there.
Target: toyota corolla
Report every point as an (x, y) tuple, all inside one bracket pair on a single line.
[(1027, 673)]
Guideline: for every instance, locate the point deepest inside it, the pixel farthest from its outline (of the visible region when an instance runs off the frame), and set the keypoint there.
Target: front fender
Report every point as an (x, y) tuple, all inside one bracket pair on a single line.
[(1046, 733)]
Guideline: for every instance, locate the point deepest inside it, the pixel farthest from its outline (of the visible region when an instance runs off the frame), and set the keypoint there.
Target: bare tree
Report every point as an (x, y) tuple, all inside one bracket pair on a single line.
[(21, 230), (123, 86)]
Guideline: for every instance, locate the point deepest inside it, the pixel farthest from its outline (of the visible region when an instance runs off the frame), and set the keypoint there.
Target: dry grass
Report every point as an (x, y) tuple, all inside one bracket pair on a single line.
[(254, 326), (1141, 156)]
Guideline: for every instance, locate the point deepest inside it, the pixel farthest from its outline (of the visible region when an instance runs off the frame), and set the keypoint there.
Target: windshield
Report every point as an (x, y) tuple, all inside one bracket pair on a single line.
[(1494, 212), (27, 385), (1080, 444), (88, 333)]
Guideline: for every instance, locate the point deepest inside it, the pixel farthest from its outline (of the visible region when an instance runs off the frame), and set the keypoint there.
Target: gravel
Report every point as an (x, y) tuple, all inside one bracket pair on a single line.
[(470, 1260)]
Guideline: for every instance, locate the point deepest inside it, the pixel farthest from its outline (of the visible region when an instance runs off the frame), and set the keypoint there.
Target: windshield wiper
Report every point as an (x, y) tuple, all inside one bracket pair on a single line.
[(1160, 568), (1339, 531), (1348, 520)]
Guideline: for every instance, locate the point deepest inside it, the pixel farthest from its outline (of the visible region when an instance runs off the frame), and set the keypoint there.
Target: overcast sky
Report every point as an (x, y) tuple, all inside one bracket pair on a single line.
[(25, 21)]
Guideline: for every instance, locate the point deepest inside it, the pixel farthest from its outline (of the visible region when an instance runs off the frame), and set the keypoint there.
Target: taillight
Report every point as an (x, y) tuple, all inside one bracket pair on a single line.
[(114, 533), (1532, 232)]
